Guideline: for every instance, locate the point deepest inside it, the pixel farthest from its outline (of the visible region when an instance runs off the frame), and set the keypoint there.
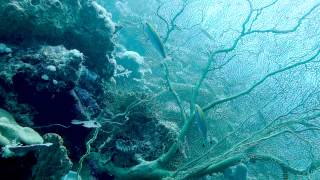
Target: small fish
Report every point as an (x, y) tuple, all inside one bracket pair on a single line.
[(201, 122), (87, 124), (21, 150), (155, 39), (207, 34), (27, 148)]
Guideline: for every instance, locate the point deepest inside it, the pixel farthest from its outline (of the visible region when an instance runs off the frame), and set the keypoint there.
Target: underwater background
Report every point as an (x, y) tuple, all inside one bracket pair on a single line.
[(159, 89)]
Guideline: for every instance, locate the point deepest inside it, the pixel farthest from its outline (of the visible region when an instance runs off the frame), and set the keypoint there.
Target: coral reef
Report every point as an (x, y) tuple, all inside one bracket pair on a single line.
[(82, 25), (54, 166), (96, 166), (55, 59), (11, 132), (139, 134), (42, 161), (87, 105), (131, 70), (132, 62), (37, 86), (43, 78), (44, 48)]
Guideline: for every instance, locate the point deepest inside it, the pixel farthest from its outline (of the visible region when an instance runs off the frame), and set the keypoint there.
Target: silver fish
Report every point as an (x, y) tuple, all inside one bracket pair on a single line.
[(27, 148), (21, 150), (155, 39), (87, 124)]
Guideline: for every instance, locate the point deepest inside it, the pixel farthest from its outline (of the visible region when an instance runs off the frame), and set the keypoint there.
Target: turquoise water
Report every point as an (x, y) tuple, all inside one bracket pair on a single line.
[(159, 89)]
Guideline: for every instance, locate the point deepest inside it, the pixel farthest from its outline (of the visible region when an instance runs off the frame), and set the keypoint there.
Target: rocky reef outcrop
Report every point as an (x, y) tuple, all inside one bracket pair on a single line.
[(38, 86), (54, 56), (82, 25), (41, 77), (54, 166), (55, 59), (137, 134)]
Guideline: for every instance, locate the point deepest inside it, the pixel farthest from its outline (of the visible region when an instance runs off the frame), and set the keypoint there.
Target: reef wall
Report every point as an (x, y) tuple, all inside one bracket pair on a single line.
[(55, 59)]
